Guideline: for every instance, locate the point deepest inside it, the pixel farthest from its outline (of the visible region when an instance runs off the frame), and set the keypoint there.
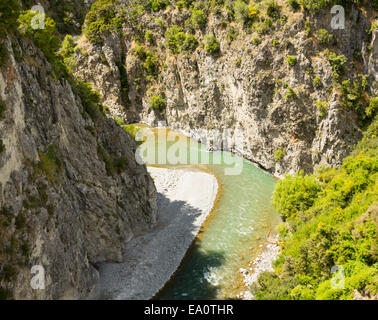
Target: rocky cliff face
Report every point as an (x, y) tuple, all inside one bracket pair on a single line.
[(249, 85), (71, 192)]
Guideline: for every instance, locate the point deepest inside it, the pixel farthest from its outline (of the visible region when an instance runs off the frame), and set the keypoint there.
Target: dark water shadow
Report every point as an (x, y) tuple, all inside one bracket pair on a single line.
[(189, 281)]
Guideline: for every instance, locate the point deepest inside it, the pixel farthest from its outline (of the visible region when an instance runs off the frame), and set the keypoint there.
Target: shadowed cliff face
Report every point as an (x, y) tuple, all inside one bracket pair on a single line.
[(71, 192), (248, 85)]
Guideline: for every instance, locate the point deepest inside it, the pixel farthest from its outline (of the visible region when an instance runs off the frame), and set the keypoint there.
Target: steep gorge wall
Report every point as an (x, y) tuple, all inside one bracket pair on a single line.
[(60, 207), (245, 86)]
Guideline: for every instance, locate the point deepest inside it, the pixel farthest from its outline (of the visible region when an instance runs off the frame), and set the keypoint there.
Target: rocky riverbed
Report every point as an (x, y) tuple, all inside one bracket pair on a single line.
[(262, 263)]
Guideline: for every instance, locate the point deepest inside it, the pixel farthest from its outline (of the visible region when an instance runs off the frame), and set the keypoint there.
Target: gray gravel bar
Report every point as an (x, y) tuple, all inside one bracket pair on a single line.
[(185, 199)]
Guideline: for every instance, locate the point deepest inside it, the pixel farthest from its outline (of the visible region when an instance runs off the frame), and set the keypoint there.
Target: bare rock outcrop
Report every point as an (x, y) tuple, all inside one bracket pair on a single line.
[(249, 85)]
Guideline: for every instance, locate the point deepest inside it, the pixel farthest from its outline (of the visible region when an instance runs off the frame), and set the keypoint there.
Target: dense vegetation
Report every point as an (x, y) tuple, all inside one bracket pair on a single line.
[(46, 38), (101, 19), (157, 103), (9, 11), (330, 219)]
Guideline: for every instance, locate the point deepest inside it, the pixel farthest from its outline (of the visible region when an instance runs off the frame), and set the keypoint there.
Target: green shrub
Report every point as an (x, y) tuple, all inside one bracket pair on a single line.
[(101, 19), (256, 41), (273, 10), (337, 62), (232, 34), (156, 5), (46, 39), (96, 30), (253, 12), (353, 98), (141, 52), (330, 219), (357, 55), (270, 287), (175, 37), (309, 70), (198, 18), (358, 276), (308, 26), (323, 36), (149, 59), (25, 248), (160, 22), (315, 5), (294, 5), (241, 10), (178, 40), (119, 121), (131, 128), (151, 64), (295, 193), (265, 26), (322, 106), (317, 82), (278, 155), (68, 47), (120, 164), (211, 44), (149, 36), (370, 138), (157, 103), (103, 59), (291, 60), (371, 110), (67, 51), (290, 94), (181, 5), (238, 62), (10, 10), (190, 44)]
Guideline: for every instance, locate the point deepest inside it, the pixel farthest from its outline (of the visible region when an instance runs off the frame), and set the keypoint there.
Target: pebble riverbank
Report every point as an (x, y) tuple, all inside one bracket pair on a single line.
[(185, 199), (262, 263)]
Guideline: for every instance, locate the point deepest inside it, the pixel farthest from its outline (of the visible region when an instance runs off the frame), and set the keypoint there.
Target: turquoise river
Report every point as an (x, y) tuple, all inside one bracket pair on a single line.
[(235, 232)]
